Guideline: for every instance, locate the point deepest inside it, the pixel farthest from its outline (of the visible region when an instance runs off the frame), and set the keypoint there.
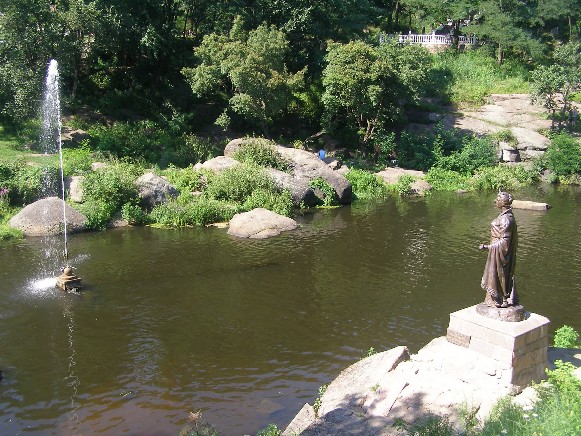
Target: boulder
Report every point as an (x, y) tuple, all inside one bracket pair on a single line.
[(98, 165), (72, 137), (259, 224), (299, 188), (418, 186), (74, 189), (305, 165), (45, 217), (217, 164), (154, 190)]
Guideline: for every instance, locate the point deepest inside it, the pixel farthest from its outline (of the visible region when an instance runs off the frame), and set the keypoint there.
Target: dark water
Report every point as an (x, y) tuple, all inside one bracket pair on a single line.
[(173, 321)]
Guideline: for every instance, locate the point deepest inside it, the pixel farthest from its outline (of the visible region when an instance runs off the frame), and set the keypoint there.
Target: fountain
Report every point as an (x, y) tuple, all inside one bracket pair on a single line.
[(51, 140)]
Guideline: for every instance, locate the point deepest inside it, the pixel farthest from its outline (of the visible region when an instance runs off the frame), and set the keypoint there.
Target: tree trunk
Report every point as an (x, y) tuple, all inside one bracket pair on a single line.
[(499, 55)]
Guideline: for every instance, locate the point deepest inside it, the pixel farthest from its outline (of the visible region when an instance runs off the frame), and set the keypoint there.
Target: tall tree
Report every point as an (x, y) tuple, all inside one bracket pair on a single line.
[(247, 68), (366, 86), (507, 24), (559, 12)]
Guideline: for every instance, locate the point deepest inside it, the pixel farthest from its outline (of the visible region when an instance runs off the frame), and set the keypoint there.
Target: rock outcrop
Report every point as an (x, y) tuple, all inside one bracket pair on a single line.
[(45, 217), (217, 164), (300, 190), (442, 378), (305, 166), (259, 224), (419, 186), (154, 190)]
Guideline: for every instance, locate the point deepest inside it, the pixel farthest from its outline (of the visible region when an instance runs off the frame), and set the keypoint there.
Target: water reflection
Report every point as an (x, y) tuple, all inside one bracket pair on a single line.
[(174, 321)]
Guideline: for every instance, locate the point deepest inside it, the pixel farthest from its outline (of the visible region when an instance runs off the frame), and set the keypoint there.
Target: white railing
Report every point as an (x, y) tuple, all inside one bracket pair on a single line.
[(429, 39)]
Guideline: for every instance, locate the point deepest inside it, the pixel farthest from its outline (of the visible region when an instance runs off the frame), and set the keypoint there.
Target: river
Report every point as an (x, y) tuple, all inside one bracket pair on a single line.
[(177, 321)]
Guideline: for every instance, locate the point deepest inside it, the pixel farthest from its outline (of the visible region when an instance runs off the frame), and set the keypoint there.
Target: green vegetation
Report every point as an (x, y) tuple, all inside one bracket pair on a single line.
[(270, 430), (329, 195), (262, 153), (319, 400), (106, 190), (366, 185), (566, 337)]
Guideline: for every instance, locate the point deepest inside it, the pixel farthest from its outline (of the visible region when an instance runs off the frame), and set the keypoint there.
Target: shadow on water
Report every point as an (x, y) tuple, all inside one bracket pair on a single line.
[(176, 321)]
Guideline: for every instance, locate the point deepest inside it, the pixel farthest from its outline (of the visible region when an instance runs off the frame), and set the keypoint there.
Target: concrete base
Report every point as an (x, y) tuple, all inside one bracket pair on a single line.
[(517, 349)]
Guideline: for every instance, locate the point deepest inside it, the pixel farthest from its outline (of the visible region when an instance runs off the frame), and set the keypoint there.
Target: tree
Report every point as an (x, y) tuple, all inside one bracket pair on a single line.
[(553, 84), (507, 24), (559, 11), (248, 68), (366, 86)]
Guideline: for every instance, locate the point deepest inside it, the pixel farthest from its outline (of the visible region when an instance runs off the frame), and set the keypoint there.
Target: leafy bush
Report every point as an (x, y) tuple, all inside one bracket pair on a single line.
[(187, 179), (475, 153), (366, 185), (236, 184), (503, 177), (106, 191), (261, 152), (198, 211), (77, 161), (421, 151), (133, 214), (27, 183), (403, 186), (563, 156), (330, 197), (566, 337), (279, 202), (447, 180)]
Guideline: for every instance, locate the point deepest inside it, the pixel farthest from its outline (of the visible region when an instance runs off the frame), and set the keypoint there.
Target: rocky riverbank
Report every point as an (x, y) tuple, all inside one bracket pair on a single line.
[(442, 380)]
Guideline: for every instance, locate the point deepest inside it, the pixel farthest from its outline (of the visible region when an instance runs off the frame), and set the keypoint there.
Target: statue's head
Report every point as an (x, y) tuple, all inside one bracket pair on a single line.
[(503, 199)]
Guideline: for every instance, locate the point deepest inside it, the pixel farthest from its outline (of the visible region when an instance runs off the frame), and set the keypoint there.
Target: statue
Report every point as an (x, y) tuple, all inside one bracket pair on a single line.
[(498, 278)]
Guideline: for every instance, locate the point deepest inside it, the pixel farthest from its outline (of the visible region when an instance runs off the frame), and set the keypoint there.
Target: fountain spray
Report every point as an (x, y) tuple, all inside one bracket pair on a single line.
[(51, 134)]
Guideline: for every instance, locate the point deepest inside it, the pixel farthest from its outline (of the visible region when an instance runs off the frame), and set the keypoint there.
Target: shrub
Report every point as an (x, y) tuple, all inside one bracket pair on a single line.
[(563, 156), (475, 153), (503, 177), (27, 183), (447, 180), (566, 337), (261, 152), (330, 197), (187, 179), (403, 186), (133, 214), (197, 211), (106, 191), (279, 202), (77, 161), (366, 185), (236, 184)]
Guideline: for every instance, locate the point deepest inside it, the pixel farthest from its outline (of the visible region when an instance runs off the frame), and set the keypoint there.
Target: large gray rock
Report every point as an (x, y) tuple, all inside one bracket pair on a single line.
[(45, 217), (299, 188), (73, 186), (308, 166), (259, 224), (392, 175), (217, 164), (304, 165), (154, 190)]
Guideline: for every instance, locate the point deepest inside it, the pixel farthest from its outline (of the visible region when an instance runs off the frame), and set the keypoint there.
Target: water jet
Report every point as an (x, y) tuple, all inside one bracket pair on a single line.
[(51, 134)]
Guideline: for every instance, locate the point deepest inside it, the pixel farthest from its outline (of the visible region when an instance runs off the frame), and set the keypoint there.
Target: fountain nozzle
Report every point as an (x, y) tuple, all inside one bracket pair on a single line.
[(68, 281)]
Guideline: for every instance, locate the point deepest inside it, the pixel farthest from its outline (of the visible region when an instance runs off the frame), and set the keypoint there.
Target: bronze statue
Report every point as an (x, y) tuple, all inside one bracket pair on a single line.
[(498, 278)]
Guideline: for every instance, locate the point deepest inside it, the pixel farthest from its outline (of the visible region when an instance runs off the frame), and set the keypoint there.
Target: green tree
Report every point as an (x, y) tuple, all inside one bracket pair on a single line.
[(507, 24), (561, 12), (366, 86), (249, 69), (553, 84)]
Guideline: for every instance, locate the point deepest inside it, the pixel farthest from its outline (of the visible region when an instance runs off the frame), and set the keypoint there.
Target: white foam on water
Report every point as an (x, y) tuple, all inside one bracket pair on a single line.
[(38, 286)]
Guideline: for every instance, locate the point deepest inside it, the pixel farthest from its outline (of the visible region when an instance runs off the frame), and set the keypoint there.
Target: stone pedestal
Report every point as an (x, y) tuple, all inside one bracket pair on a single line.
[(517, 349)]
